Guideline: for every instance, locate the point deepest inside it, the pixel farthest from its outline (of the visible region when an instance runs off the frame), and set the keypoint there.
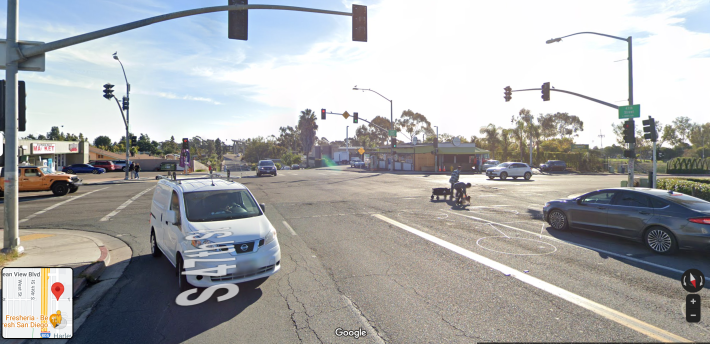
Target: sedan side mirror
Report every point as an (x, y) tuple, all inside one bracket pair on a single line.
[(263, 206)]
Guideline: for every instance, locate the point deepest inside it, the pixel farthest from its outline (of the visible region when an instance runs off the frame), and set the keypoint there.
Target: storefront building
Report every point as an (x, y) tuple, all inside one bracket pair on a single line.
[(54, 154), (422, 157)]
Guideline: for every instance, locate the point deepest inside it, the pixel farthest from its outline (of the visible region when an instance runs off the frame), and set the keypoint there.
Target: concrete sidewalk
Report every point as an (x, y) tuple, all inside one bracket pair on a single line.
[(98, 260)]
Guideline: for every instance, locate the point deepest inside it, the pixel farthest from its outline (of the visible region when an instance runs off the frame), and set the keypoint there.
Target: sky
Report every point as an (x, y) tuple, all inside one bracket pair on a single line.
[(448, 60)]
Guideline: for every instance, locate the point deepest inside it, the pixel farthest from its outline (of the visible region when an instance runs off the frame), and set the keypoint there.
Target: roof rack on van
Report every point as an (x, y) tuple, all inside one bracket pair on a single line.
[(177, 181)]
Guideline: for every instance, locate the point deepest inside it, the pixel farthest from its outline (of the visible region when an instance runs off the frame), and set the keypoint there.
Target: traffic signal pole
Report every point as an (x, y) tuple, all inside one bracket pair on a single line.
[(11, 237), (632, 146)]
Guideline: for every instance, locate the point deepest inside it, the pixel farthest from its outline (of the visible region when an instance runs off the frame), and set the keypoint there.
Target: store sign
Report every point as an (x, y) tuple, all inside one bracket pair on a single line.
[(43, 148), (73, 147)]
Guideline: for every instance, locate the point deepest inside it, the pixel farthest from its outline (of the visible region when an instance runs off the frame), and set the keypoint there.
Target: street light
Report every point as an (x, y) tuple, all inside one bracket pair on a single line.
[(128, 138), (631, 88), (391, 118)]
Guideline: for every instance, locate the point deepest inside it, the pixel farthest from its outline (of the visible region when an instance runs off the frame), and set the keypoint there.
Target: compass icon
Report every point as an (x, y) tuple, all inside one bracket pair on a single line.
[(693, 280)]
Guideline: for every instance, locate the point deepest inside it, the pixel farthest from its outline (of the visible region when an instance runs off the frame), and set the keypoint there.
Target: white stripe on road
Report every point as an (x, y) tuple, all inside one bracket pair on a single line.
[(125, 204), (289, 228), (623, 319), (58, 204), (577, 245)]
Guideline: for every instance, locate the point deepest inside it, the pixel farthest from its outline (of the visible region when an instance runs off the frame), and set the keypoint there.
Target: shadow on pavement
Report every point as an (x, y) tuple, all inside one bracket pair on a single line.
[(141, 308)]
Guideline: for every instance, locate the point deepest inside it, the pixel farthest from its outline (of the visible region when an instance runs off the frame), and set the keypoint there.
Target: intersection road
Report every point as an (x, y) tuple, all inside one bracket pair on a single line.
[(371, 251)]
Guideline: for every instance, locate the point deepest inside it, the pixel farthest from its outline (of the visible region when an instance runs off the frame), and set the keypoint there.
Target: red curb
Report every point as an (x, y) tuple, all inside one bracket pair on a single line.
[(104, 253)]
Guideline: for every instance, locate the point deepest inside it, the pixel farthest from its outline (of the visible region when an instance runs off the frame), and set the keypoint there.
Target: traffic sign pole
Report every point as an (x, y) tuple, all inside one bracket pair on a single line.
[(11, 238)]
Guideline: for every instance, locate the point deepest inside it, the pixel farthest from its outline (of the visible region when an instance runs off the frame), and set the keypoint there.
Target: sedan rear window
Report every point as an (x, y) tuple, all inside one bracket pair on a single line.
[(689, 201)]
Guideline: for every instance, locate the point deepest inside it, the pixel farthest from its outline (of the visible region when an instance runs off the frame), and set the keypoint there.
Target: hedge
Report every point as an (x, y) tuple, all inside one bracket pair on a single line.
[(695, 189), (688, 166)]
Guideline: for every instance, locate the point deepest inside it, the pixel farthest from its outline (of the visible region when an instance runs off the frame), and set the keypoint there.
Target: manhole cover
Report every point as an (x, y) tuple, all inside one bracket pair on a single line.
[(516, 246)]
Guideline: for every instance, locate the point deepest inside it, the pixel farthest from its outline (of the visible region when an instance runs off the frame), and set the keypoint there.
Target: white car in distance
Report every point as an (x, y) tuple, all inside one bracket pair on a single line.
[(213, 231), (510, 169)]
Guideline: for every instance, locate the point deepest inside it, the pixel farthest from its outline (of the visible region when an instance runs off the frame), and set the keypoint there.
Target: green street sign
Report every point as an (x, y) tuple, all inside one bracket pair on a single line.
[(580, 147), (392, 133), (630, 111)]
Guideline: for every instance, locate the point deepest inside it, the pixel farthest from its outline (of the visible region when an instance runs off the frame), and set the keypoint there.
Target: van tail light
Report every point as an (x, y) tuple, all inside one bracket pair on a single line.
[(701, 220)]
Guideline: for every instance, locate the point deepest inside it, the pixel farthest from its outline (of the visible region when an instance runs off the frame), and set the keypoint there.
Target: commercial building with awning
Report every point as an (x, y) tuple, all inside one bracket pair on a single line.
[(422, 157)]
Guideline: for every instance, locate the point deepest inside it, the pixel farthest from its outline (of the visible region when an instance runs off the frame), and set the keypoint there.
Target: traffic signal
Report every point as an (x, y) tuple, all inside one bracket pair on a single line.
[(238, 21), (21, 106), (185, 143), (322, 113), (394, 142), (436, 142), (508, 93), (649, 129), (629, 153), (134, 140), (108, 92), (546, 91), (629, 131), (125, 103), (355, 117), (359, 23)]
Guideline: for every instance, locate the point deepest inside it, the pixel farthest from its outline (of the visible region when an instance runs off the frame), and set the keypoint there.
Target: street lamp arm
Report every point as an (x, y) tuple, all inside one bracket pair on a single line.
[(124, 74), (367, 89), (595, 33)]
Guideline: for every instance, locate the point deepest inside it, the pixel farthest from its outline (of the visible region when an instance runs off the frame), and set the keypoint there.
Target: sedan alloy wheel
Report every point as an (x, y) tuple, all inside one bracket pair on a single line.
[(660, 240), (557, 220)]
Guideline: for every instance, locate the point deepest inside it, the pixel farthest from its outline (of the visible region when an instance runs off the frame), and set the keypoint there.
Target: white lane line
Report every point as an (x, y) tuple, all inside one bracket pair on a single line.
[(289, 228), (125, 204), (611, 314), (365, 323), (58, 204), (577, 245)]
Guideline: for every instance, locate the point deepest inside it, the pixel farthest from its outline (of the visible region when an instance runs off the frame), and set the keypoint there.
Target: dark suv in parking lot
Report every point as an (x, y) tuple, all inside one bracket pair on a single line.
[(553, 165)]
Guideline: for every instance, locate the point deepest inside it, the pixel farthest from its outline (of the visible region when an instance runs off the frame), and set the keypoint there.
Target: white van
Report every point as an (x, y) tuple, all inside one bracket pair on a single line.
[(213, 231)]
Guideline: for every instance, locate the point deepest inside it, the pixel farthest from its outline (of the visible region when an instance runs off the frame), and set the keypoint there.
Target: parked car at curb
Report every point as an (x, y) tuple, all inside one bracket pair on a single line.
[(40, 178), (553, 165), (186, 215), (120, 165), (266, 167), (295, 167), (82, 168), (664, 221), (105, 164), (510, 169)]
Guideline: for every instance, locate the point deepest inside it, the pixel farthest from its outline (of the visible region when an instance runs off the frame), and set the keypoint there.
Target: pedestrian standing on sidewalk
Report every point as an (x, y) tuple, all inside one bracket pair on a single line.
[(453, 180), (131, 169), (137, 169)]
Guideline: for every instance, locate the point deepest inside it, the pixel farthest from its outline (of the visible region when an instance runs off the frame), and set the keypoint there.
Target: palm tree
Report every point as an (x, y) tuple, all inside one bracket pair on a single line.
[(492, 134), (307, 126), (505, 142), (518, 133)]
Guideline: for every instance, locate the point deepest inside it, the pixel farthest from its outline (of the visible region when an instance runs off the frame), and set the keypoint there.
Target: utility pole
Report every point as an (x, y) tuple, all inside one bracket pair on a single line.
[(632, 146), (601, 137), (347, 141), (531, 143)]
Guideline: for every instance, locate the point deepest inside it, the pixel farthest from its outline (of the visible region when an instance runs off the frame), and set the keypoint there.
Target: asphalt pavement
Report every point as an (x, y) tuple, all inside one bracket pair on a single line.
[(372, 252)]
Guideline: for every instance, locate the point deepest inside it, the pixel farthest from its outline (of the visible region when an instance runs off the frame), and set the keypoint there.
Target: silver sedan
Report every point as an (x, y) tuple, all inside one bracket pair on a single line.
[(664, 221)]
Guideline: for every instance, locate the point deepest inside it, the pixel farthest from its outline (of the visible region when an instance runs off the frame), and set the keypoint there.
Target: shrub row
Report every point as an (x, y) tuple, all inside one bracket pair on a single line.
[(688, 165), (696, 189)]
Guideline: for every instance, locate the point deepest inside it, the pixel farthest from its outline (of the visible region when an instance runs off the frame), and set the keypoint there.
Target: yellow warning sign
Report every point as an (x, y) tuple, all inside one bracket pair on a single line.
[(346, 114), (361, 151)]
